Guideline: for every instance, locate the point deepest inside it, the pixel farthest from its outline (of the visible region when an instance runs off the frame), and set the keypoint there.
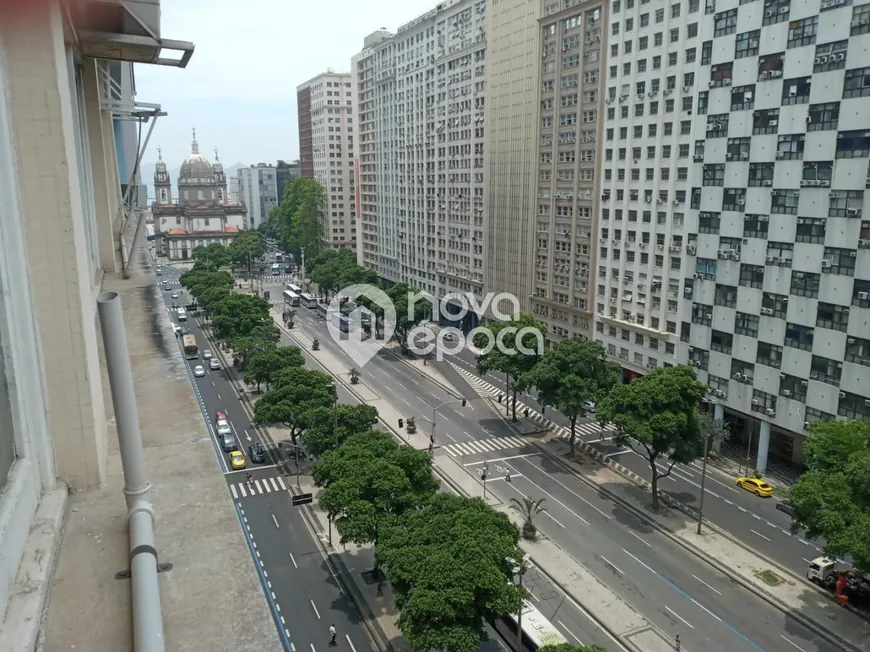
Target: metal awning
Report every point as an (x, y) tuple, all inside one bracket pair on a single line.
[(123, 30)]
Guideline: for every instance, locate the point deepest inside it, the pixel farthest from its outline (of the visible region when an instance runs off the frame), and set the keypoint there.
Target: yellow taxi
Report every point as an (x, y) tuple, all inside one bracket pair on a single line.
[(756, 486), (237, 460)]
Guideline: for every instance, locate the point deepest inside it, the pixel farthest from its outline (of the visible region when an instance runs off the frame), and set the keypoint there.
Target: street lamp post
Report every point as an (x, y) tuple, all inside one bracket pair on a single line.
[(483, 471), (438, 407), (519, 569), (703, 481)]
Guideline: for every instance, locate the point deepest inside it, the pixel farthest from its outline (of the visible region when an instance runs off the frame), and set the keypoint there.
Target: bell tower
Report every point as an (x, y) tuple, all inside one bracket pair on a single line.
[(162, 182), (220, 179)]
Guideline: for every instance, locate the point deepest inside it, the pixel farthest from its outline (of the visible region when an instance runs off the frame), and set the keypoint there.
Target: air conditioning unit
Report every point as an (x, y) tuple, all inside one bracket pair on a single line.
[(767, 183), (744, 156), (687, 89), (763, 75), (850, 340), (755, 401), (842, 394), (738, 377), (786, 393), (741, 201), (864, 296), (721, 394), (780, 155), (827, 264), (853, 212), (769, 412), (767, 311)]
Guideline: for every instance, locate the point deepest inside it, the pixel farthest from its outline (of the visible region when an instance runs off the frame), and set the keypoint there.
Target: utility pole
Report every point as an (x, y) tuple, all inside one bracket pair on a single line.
[(302, 249), (703, 482), (483, 473), (519, 568)]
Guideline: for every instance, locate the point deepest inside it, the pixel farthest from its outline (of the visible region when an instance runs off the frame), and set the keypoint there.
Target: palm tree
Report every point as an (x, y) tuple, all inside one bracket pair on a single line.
[(529, 509)]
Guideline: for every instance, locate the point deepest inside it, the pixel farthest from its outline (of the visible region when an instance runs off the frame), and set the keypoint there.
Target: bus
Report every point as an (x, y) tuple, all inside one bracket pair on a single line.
[(537, 631), (276, 269), (279, 257), (291, 298), (191, 351), (309, 301), (182, 314), (293, 288)]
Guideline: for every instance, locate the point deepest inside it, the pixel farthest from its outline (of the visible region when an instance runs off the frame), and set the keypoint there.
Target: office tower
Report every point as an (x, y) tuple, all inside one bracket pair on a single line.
[(420, 102), (327, 154), (652, 57), (777, 301), (559, 227), (284, 175), (258, 191)]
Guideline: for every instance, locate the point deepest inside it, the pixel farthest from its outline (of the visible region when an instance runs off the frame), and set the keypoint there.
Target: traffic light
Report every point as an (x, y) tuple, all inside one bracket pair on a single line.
[(401, 423), (464, 402)]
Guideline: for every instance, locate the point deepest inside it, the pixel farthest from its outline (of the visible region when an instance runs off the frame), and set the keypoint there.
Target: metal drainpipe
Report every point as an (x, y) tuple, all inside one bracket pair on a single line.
[(147, 614)]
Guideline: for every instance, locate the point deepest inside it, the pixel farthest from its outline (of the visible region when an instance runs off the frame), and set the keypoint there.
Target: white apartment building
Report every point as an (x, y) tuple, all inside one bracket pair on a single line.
[(569, 146), (420, 106), (777, 299), (258, 191), (653, 48), (326, 123)]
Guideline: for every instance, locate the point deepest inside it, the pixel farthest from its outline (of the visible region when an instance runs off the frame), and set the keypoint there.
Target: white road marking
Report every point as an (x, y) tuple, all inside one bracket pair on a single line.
[(638, 561), (503, 459), (292, 647), (465, 432), (679, 616), (792, 643), (579, 642), (760, 535), (353, 649), (219, 397), (707, 610), (571, 491), (643, 541), (406, 402), (312, 648), (317, 613), (257, 485), (242, 489), (552, 497), (707, 585), (274, 484), (233, 489), (554, 520), (212, 384), (275, 519), (611, 564), (295, 565)]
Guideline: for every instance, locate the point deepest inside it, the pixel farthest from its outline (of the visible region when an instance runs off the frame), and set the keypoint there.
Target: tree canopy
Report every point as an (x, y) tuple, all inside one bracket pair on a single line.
[(832, 497), (570, 376), (369, 480), (331, 427), (447, 567), (510, 361), (295, 394), (406, 319), (297, 221), (334, 269), (246, 247), (239, 314), (264, 366), (659, 412), (213, 256)]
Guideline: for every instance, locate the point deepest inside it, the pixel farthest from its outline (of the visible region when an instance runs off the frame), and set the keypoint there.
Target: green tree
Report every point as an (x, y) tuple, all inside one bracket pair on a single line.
[(295, 394), (210, 297), (568, 647), (246, 247), (659, 411), (199, 280), (261, 338), (213, 256), (571, 376), (238, 315), (407, 319), (264, 366), (298, 218), (331, 427), (511, 361), (447, 565), (832, 497), (370, 480)]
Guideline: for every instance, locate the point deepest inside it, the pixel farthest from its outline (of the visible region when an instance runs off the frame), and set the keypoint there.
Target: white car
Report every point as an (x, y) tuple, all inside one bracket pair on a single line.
[(175, 295), (214, 365), (223, 428), (198, 371), (206, 355), (589, 406), (176, 329)]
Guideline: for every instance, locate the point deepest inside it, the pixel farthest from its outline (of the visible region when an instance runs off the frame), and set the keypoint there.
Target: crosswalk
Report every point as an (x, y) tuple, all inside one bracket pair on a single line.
[(280, 277), (488, 390), (172, 282), (478, 446), (258, 487)]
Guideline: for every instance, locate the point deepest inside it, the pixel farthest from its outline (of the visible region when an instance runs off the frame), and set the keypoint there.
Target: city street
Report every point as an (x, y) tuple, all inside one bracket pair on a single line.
[(302, 593), (675, 590)]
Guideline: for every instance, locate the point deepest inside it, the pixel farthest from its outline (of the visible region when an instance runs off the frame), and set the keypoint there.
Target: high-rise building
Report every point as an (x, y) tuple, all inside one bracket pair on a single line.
[(568, 137), (651, 68), (420, 104), (284, 174), (777, 290), (258, 191), (326, 119)]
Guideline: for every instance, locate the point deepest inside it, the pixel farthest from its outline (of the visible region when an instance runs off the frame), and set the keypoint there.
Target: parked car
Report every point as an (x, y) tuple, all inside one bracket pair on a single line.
[(756, 486), (257, 453), (785, 506), (198, 371), (224, 428)]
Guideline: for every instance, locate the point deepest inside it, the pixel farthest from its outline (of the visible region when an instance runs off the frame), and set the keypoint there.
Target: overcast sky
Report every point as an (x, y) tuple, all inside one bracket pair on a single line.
[(239, 89)]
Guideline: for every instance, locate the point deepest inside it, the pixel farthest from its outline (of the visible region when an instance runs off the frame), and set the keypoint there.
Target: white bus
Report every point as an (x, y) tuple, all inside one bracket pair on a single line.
[(309, 301), (293, 288), (182, 314), (276, 269), (291, 298), (538, 632)]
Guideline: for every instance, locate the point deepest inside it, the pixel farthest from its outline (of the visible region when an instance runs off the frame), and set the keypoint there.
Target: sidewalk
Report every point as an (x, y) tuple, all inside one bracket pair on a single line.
[(792, 594), (607, 608)]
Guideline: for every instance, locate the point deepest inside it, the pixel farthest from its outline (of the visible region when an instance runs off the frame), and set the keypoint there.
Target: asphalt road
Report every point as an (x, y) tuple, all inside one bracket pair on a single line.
[(302, 593), (753, 520), (673, 589)]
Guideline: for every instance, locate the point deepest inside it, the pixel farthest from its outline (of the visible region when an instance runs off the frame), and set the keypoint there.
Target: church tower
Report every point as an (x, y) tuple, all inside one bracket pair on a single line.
[(162, 182), (220, 179)]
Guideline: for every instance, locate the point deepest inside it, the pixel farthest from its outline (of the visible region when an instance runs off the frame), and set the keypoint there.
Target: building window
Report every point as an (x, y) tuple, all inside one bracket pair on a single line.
[(790, 147), (784, 201), (826, 370), (746, 324), (734, 199), (763, 403), (857, 83), (709, 222), (717, 126), (853, 144), (802, 32), (858, 351), (830, 56), (796, 91), (702, 314), (776, 11), (839, 261), (805, 284), (706, 52), (793, 387), (832, 317), (810, 230), (714, 175), (860, 20), (770, 355), (755, 226), (765, 121), (845, 203), (725, 23), (747, 44), (817, 173), (760, 175), (853, 406), (799, 337), (742, 98), (721, 342), (721, 74), (751, 276), (774, 305), (742, 371)]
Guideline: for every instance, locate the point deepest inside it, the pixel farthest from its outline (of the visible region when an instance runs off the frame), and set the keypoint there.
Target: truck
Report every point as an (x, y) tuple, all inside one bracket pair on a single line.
[(847, 584)]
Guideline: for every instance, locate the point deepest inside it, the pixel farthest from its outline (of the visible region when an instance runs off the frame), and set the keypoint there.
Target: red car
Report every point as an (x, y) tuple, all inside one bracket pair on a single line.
[(221, 415)]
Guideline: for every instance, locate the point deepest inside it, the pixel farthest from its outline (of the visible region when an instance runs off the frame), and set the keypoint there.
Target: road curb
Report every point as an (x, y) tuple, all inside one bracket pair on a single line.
[(809, 623), (341, 573)]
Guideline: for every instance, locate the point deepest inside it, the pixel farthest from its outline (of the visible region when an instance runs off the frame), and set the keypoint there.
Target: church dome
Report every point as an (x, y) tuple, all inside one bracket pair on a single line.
[(196, 166)]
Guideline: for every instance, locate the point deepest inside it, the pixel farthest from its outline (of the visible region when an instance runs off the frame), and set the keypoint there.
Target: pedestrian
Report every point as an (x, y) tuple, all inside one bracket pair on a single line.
[(332, 635), (380, 588), (507, 476), (677, 643)]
